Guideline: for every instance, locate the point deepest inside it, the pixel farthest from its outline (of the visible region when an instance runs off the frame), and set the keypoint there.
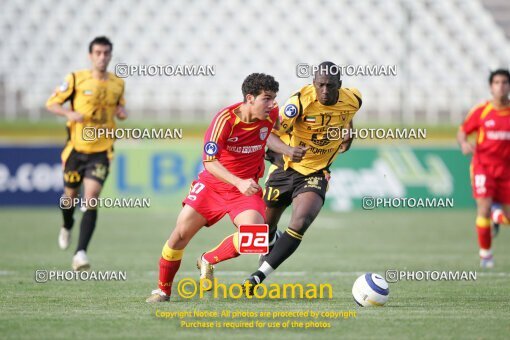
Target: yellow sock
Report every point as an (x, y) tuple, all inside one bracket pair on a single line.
[(170, 254)]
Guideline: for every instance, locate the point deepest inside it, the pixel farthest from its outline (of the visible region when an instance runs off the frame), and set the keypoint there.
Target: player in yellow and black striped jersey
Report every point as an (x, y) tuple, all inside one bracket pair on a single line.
[(301, 148), (305, 122), (96, 99)]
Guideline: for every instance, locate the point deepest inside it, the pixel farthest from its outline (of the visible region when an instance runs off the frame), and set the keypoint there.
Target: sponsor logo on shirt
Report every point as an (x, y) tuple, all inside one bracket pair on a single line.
[(498, 135), (244, 149)]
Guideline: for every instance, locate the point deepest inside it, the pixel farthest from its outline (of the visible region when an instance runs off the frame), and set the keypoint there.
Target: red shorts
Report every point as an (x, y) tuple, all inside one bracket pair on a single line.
[(214, 205), (491, 181)]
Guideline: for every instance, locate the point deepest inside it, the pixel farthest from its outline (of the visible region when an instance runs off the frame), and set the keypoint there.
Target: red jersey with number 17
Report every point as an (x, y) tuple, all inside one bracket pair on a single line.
[(493, 140), (237, 145)]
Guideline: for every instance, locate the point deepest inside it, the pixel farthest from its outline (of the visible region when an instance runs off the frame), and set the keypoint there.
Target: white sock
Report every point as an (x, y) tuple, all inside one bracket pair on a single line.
[(485, 253), (266, 268)]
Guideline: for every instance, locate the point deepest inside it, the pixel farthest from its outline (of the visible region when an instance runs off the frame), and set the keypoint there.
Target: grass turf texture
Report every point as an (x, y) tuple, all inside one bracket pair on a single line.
[(336, 249)]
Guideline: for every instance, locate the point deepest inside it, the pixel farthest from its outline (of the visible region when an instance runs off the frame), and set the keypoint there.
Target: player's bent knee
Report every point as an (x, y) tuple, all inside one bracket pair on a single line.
[(178, 240), (70, 192), (301, 224), (484, 212), (249, 217)]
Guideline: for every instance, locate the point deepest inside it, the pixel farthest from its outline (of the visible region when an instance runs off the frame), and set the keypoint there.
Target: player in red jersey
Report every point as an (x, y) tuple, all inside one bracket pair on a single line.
[(490, 166), (233, 155)]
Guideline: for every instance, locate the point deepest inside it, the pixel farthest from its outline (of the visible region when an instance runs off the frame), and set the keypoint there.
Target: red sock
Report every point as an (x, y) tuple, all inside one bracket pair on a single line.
[(483, 227), (167, 271), (226, 250)]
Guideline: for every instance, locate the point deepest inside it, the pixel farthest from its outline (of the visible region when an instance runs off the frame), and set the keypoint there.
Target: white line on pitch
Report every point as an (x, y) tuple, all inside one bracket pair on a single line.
[(323, 274), (277, 273)]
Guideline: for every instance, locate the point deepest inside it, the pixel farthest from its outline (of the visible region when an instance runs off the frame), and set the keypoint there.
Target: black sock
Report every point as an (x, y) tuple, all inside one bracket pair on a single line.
[(68, 217), (284, 247), (272, 235), (88, 224)]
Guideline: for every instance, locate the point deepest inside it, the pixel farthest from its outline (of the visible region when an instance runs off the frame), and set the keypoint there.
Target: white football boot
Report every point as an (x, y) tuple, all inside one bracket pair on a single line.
[(81, 261), (157, 295), (64, 238), (486, 259), (206, 273)]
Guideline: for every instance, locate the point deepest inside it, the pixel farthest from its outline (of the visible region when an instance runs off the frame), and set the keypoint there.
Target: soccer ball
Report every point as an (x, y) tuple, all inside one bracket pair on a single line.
[(370, 290)]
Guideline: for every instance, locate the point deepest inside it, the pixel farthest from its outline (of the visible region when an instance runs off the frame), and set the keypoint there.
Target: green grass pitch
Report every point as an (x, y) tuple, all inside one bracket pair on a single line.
[(336, 249)]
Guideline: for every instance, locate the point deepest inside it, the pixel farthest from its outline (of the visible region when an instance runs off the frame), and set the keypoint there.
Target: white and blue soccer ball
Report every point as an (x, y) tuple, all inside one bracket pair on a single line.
[(370, 290)]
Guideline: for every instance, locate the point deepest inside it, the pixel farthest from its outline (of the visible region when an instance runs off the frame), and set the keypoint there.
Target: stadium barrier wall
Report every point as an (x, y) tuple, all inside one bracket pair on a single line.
[(401, 172), (163, 172)]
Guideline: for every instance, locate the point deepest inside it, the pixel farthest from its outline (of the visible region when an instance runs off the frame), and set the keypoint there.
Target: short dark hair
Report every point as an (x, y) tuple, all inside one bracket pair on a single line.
[(102, 40), (329, 69), (255, 83), (499, 72)]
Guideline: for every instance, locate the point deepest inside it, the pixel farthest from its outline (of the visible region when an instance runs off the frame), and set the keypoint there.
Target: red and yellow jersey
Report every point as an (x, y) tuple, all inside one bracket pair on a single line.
[(97, 101), (237, 145), (493, 128), (304, 121)]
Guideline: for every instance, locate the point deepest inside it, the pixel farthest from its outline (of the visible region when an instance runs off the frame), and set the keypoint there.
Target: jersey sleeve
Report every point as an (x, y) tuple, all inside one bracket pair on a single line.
[(288, 114), (63, 92), (472, 121), (216, 136), (357, 95)]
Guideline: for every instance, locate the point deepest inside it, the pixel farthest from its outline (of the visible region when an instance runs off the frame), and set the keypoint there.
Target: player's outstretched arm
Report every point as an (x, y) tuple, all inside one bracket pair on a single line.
[(465, 146), (59, 110), (296, 154), (247, 187)]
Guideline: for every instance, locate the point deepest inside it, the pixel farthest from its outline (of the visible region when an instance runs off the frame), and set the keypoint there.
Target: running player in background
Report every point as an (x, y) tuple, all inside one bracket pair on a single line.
[(234, 148), (490, 165), (97, 98), (303, 147)]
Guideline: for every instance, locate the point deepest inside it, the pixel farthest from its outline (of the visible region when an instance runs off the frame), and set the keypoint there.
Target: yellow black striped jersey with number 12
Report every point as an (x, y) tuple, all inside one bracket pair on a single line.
[(97, 101), (304, 121)]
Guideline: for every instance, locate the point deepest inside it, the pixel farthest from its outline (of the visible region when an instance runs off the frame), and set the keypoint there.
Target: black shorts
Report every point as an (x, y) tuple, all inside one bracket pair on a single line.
[(282, 186), (82, 165)]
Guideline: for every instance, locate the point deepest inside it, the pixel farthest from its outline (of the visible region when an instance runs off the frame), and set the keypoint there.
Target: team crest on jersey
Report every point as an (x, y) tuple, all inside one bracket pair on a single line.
[(63, 87), (263, 133), (211, 148), (290, 110), (490, 123)]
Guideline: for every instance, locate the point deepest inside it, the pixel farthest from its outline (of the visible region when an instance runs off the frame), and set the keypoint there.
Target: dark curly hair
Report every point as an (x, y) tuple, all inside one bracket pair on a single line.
[(499, 72), (255, 83), (102, 40)]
